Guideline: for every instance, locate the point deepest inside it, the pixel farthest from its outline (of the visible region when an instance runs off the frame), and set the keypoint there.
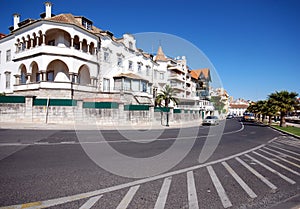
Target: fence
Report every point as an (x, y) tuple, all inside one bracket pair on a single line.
[(31, 109)]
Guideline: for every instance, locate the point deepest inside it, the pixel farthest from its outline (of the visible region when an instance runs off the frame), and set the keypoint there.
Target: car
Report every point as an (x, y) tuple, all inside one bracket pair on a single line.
[(211, 120), (229, 116), (250, 117)]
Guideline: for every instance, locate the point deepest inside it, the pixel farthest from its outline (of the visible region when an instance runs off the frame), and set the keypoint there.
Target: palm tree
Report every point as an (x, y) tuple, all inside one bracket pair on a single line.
[(283, 102), (166, 96)]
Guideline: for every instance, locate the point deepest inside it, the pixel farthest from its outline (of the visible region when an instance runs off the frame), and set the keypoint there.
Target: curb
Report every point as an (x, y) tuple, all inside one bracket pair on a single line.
[(285, 132)]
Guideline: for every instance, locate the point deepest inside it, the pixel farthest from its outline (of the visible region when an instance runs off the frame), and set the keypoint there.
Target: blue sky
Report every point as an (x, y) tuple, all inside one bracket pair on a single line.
[(253, 45)]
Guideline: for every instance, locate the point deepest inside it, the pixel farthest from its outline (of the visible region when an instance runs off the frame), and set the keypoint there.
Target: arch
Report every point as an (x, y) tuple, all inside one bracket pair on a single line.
[(34, 40), (23, 74), (84, 77), (58, 37), (35, 75), (84, 45), (76, 42), (57, 70), (40, 41), (28, 42), (92, 48)]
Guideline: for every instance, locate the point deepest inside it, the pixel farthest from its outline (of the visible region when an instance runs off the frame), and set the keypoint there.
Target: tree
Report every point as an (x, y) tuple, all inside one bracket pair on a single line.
[(283, 102), (166, 96), (218, 104)]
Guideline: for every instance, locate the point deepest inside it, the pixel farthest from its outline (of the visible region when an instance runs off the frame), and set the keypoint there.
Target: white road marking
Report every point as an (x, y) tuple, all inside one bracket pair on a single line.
[(258, 175), (279, 164), (288, 143), (283, 154), (88, 204), (128, 197), (220, 190), (246, 188), (163, 194), (291, 152), (62, 200), (192, 193), (271, 169), (280, 158)]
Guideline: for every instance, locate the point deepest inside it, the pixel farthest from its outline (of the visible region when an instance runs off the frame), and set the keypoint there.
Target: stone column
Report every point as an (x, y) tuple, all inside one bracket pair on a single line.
[(17, 79), (31, 43), (88, 49), (43, 75), (44, 39), (28, 78), (37, 41), (80, 46), (26, 45), (122, 114), (72, 42), (29, 107)]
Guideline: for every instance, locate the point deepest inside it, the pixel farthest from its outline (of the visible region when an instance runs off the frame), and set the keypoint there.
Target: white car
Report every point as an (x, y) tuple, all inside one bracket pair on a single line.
[(211, 120)]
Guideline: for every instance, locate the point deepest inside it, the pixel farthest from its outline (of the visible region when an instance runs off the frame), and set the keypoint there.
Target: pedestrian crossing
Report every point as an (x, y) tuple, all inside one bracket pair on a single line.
[(279, 158)]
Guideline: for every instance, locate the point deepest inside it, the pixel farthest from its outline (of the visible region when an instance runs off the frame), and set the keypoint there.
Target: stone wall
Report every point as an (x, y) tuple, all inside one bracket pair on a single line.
[(74, 111)]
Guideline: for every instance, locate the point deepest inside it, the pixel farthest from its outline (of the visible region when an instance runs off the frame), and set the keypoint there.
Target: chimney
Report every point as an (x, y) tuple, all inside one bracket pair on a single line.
[(48, 9), (16, 20)]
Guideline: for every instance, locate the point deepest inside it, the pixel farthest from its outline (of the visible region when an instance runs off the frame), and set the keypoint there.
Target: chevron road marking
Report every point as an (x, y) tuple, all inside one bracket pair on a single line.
[(246, 188), (258, 175), (163, 194)]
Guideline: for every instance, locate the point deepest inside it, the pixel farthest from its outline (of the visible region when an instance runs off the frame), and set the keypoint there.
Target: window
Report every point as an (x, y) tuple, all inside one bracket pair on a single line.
[(23, 77), (147, 70), (7, 80), (144, 86), (140, 66), (155, 74), (106, 84), (38, 77), (86, 24), (50, 76), (120, 62), (8, 55), (130, 65), (130, 45), (106, 57), (162, 76)]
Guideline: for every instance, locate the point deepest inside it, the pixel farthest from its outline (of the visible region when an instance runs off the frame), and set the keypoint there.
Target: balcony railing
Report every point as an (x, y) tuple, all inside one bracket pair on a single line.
[(65, 51)]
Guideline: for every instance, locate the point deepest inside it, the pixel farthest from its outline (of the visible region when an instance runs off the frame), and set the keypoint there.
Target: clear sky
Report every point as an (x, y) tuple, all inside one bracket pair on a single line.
[(254, 45)]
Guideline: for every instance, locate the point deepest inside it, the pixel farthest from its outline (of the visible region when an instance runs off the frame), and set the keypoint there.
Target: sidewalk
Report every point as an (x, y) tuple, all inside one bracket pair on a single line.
[(77, 126)]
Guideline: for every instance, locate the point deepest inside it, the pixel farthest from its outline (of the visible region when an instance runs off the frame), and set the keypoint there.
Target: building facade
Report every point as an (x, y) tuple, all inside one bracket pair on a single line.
[(66, 56)]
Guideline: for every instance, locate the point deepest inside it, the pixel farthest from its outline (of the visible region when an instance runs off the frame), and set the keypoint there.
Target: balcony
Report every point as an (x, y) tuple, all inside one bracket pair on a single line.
[(175, 76), (54, 85), (55, 50), (176, 68)]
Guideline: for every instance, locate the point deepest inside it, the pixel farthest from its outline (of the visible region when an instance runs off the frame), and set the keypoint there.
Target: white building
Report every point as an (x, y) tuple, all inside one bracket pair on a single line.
[(238, 107), (66, 56)]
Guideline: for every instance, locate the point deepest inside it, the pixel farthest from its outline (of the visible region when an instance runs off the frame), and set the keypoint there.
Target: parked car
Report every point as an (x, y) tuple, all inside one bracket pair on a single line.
[(248, 117), (229, 116), (211, 120)]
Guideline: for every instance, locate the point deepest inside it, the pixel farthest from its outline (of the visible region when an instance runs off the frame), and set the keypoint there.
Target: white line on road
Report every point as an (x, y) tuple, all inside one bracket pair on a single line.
[(280, 158), (288, 143), (279, 164), (246, 188), (271, 169), (88, 204), (283, 154), (163, 194), (128, 197), (258, 175), (220, 190), (62, 200), (192, 193), (291, 152)]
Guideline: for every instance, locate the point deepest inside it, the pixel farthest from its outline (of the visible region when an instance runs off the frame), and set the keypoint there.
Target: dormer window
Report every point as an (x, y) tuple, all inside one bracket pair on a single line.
[(130, 45), (87, 24)]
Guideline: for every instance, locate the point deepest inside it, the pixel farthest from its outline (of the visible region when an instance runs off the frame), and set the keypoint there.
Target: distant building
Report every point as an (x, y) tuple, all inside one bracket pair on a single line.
[(238, 107)]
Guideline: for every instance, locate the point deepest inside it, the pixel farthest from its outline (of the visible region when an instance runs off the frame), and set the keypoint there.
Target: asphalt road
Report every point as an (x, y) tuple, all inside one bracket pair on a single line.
[(252, 166)]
